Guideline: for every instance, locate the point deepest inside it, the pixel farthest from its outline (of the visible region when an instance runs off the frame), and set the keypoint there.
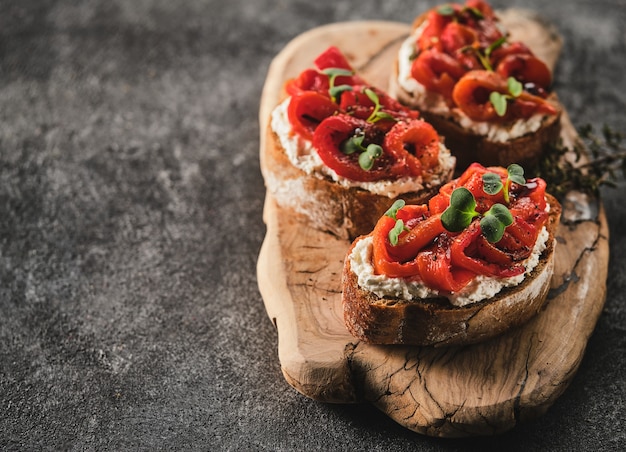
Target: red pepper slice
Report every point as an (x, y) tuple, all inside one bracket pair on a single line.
[(456, 36), (471, 94), (414, 144), (384, 263), (418, 237), (526, 69), (437, 71), (435, 23), (307, 109), (332, 58), (482, 6), (508, 48), (461, 255), (308, 80), (437, 272), (334, 131)]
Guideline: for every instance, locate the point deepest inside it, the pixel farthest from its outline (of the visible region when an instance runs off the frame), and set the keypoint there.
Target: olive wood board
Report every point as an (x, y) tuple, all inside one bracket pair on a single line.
[(482, 389)]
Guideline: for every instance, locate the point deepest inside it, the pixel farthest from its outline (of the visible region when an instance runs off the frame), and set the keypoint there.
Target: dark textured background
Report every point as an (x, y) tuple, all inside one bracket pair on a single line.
[(130, 223)]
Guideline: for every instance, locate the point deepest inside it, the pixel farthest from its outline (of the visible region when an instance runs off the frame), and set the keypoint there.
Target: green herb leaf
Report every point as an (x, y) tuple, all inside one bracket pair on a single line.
[(366, 159), (515, 87), (495, 221), (499, 102), (475, 11), (335, 91), (395, 232), (494, 45), (500, 212), (446, 10), (492, 183), (461, 212), (392, 212), (516, 174), (492, 229), (333, 73), (372, 95), (382, 115), (353, 144), (336, 72)]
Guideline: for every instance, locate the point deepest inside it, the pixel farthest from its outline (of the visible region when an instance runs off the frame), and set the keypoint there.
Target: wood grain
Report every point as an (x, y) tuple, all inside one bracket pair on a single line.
[(456, 391)]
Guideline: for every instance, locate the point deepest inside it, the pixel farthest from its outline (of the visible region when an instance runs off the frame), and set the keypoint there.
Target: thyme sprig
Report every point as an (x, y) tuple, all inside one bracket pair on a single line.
[(594, 162)]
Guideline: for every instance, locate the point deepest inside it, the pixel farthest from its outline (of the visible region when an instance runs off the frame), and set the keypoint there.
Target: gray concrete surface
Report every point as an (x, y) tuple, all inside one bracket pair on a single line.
[(130, 223)]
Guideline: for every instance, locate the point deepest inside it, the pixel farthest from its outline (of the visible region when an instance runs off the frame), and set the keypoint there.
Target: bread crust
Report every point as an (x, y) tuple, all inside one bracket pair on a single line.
[(321, 202), (436, 321)]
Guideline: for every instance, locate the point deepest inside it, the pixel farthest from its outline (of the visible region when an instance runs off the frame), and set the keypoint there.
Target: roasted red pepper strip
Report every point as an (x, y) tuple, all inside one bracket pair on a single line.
[(384, 263), (456, 36), (417, 237), (437, 71), (526, 69), (414, 144), (333, 132), (308, 80), (437, 272), (461, 248), (471, 94), (332, 58), (307, 109)]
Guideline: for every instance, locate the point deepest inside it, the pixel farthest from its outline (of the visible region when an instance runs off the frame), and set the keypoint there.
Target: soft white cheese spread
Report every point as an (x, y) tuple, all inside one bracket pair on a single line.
[(435, 103), (480, 288), (303, 155)]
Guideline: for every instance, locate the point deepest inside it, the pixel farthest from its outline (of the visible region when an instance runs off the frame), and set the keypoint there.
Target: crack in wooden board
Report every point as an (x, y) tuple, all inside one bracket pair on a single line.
[(482, 389)]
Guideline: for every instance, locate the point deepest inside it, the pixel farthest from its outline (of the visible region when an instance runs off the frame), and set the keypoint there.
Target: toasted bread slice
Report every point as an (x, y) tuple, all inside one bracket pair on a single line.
[(497, 144), (436, 321), (326, 205)]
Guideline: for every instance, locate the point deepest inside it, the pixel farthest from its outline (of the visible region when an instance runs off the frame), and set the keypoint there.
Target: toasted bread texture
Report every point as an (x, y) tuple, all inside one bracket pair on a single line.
[(437, 322), (324, 204)]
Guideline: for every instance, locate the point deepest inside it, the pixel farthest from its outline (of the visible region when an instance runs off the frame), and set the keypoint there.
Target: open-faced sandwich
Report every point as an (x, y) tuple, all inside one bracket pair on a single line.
[(488, 95), (339, 150), (474, 262)]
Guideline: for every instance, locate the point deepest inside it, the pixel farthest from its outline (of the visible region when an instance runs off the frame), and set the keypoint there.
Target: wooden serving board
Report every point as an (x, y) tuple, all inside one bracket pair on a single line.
[(481, 389)]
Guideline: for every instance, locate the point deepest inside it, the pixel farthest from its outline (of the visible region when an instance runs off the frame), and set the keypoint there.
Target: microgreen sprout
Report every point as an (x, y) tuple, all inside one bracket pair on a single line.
[(376, 113), (332, 74), (367, 155), (398, 228), (484, 55), (446, 10), (495, 221), (500, 100), (371, 153), (392, 212), (492, 183), (462, 211)]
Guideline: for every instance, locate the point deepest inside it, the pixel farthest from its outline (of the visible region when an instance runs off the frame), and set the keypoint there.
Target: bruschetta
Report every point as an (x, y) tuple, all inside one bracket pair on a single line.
[(339, 149), (472, 263), (489, 96)]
